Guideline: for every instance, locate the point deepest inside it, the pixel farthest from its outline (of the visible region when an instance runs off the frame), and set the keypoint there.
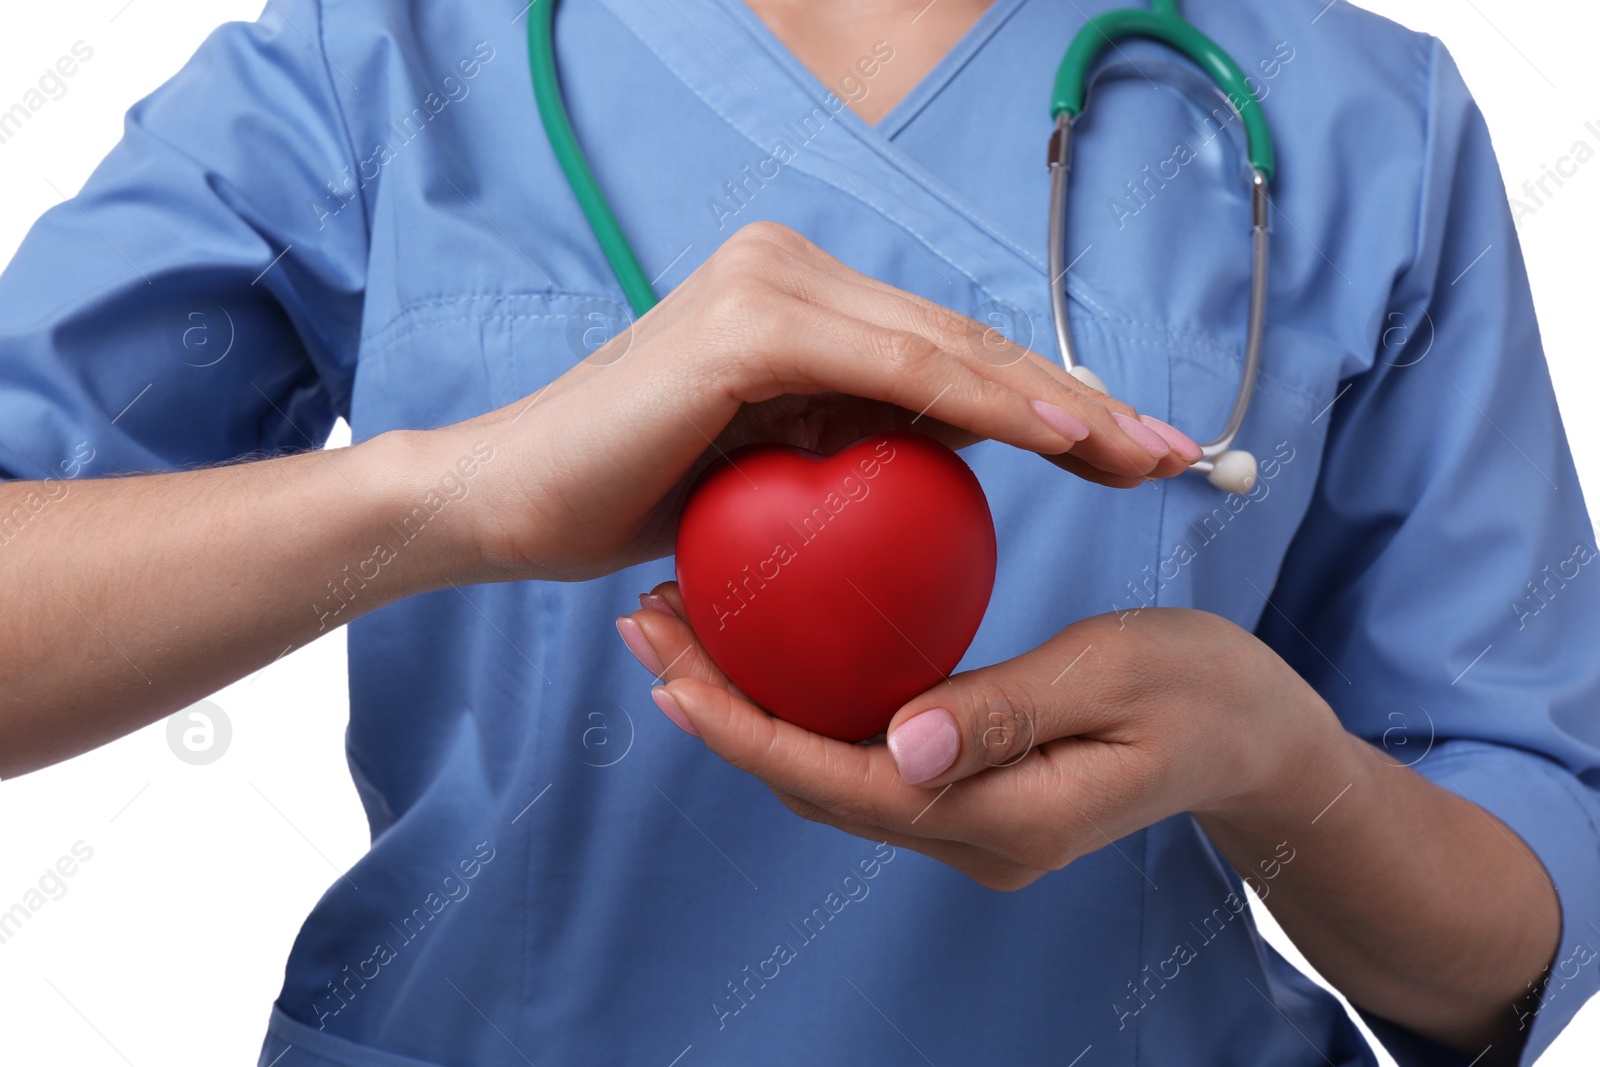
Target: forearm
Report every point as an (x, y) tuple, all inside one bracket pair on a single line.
[(128, 598), (1415, 903)]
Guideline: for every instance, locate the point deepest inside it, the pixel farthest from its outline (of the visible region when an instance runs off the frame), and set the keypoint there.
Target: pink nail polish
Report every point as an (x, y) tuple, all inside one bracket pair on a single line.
[(1153, 442), (670, 709), (633, 637), (656, 603), (1180, 442), (925, 745), (1061, 421)]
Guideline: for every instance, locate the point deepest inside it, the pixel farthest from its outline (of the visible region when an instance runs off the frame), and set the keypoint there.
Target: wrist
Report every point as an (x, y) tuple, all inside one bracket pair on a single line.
[(427, 490), (1301, 762)]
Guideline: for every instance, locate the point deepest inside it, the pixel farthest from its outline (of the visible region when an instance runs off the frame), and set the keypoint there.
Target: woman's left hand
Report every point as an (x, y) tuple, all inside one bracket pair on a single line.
[(1008, 772), (1011, 771)]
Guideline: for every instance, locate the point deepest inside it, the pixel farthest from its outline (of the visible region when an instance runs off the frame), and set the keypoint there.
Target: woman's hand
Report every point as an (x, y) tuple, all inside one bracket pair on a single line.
[(1412, 901), (770, 340), (1013, 770)]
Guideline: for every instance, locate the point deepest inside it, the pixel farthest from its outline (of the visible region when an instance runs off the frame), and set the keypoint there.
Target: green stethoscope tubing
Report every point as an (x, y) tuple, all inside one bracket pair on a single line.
[(1163, 22), (619, 253)]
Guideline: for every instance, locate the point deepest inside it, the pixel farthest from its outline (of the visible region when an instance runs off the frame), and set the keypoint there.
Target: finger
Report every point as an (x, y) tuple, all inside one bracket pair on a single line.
[(1013, 813), (665, 598), (1106, 441), (920, 355), (1073, 465), (673, 650), (845, 432), (906, 310), (807, 349), (1109, 437), (1127, 432), (784, 347), (1174, 449), (1116, 426), (827, 422), (994, 716), (855, 783)]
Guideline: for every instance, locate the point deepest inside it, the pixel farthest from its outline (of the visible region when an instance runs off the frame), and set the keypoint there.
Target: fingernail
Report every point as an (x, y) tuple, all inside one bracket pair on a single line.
[(656, 603), (1180, 442), (1061, 421), (925, 745), (633, 637), (670, 709), (1153, 442)]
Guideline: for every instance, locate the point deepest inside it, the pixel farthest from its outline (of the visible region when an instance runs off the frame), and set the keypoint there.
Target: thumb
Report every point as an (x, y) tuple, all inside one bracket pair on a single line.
[(990, 717)]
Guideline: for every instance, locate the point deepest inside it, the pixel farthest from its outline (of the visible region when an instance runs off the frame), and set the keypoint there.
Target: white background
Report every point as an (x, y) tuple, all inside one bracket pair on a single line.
[(168, 944)]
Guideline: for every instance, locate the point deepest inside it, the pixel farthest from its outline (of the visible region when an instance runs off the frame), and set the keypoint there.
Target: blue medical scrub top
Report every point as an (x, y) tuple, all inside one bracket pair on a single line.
[(358, 198)]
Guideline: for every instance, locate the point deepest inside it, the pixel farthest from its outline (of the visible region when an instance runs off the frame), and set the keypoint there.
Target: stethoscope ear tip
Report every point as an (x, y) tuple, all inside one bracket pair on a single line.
[(1233, 472)]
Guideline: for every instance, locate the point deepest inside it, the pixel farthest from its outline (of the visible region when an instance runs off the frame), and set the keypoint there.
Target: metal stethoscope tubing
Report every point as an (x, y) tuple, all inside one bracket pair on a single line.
[(1227, 468)]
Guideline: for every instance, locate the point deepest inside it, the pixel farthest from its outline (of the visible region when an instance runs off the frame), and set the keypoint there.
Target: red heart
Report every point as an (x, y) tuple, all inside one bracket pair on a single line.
[(832, 589)]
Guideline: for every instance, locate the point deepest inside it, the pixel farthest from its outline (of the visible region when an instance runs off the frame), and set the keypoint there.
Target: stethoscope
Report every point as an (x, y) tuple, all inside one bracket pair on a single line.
[(1226, 467)]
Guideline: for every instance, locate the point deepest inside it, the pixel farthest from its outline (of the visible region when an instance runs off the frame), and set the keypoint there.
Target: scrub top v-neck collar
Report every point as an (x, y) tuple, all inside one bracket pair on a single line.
[(728, 58), (927, 87)]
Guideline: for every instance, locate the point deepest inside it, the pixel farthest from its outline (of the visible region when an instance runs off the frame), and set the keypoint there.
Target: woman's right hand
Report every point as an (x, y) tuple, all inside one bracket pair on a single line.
[(770, 340)]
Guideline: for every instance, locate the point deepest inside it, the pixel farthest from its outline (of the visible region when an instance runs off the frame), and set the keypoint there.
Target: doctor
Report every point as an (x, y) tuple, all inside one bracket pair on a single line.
[(1366, 689)]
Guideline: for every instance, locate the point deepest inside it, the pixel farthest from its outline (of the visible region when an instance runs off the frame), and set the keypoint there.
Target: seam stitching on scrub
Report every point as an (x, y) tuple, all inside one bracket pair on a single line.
[(1565, 778), (1144, 902), (918, 99), (1311, 400), (1547, 766), (408, 309), (924, 181), (1172, 331), (935, 249), (1200, 339), (1165, 504), (346, 401), (339, 116), (1430, 104), (461, 298), (397, 329), (1368, 361), (420, 326), (398, 320), (930, 184)]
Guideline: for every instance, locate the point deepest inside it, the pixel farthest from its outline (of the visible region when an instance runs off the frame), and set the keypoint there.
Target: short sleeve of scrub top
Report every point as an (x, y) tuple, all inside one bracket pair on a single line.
[(1438, 594), (141, 328), (349, 209)]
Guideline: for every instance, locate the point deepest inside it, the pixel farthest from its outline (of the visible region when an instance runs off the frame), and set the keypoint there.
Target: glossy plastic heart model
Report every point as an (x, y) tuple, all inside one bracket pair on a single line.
[(832, 589)]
